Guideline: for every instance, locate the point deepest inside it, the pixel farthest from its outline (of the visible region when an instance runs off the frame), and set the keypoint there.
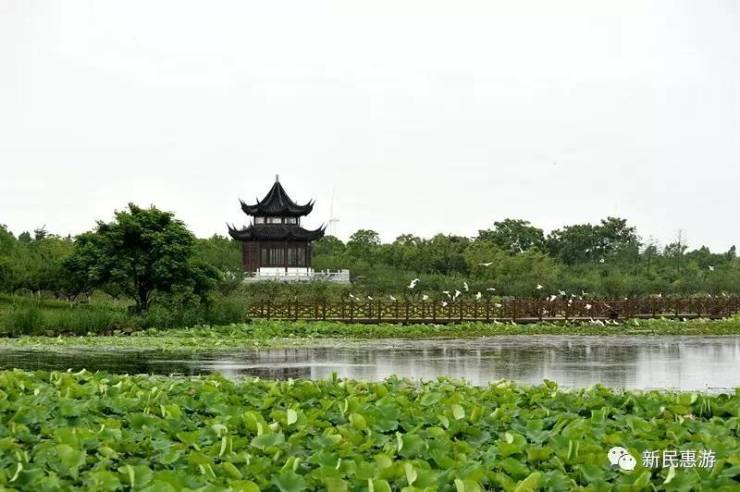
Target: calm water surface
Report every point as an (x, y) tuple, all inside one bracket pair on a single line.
[(685, 363)]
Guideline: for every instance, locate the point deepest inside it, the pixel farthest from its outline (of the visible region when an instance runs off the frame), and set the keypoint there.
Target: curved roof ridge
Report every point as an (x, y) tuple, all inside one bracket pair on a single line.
[(277, 202), (277, 232)]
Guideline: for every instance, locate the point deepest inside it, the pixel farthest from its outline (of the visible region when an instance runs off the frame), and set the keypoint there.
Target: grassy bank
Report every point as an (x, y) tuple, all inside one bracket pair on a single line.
[(287, 333), (107, 432)]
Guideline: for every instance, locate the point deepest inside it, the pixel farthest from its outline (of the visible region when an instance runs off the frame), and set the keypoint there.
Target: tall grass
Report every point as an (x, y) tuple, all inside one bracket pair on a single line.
[(27, 315), (35, 319)]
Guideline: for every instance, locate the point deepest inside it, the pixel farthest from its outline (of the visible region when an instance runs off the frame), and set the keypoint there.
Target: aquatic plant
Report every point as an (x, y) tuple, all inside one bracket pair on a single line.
[(64, 431), (289, 333)]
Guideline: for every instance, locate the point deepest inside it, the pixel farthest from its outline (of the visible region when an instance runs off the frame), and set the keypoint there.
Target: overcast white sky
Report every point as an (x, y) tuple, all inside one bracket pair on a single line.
[(423, 116)]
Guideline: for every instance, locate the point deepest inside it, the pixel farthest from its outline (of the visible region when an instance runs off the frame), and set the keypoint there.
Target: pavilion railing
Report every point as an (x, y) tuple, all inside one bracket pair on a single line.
[(517, 310)]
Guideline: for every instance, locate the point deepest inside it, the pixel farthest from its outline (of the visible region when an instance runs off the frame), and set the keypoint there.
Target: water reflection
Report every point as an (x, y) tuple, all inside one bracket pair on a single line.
[(687, 363)]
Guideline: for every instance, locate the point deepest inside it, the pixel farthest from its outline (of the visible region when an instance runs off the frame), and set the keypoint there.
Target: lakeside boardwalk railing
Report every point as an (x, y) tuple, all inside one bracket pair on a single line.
[(517, 310)]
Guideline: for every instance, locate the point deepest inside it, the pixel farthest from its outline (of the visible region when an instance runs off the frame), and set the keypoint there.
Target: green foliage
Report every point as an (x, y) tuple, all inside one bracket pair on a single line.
[(21, 315), (27, 315), (260, 333), (513, 257), (514, 236), (33, 264), (143, 252), (606, 259), (109, 432), (220, 252)]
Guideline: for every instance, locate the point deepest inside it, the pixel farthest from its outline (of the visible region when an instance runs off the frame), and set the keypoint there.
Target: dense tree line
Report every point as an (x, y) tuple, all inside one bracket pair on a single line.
[(514, 257), (147, 256)]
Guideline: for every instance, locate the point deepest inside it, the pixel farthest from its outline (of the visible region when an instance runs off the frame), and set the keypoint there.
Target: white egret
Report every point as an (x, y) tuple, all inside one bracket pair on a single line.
[(478, 296), (465, 286), (393, 298), (486, 264), (425, 297), (539, 287)]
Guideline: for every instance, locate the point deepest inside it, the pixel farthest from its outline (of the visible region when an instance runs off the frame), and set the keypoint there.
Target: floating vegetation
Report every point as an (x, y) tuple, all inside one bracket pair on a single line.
[(65, 431), (291, 333)]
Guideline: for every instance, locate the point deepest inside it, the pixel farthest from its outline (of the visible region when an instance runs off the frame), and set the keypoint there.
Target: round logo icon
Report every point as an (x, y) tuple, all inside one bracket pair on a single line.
[(620, 457)]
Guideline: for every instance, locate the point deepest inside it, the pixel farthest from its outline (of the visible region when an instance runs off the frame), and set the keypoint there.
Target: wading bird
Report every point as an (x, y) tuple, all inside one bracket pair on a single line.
[(486, 264), (478, 296), (413, 283), (539, 287)]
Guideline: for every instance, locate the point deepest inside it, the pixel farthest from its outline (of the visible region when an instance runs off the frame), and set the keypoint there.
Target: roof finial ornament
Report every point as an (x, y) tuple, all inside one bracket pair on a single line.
[(277, 178)]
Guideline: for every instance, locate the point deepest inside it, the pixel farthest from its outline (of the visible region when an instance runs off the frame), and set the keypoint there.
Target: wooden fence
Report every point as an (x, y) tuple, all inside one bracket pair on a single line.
[(517, 310)]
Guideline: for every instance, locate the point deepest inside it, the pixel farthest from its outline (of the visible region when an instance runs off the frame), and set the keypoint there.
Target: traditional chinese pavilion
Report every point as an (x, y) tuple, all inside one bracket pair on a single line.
[(274, 245)]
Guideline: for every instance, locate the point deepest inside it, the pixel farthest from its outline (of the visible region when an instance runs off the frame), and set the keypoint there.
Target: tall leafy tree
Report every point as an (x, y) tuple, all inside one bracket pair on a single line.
[(364, 245), (143, 252), (514, 235), (573, 244)]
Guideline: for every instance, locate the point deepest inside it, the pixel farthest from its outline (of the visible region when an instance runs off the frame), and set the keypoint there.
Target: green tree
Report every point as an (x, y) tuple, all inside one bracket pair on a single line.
[(7, 246), (364, 245), (516, 275), (143, 252), (573, 244), (221, 252), (514, 235), (328, 246), (615, 238)]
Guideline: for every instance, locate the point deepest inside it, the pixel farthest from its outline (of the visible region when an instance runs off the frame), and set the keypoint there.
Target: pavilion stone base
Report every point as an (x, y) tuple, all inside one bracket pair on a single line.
[(298, 274)]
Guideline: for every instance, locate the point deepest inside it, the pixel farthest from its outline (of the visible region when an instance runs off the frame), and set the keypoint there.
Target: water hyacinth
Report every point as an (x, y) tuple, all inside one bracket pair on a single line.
[(65, 431)]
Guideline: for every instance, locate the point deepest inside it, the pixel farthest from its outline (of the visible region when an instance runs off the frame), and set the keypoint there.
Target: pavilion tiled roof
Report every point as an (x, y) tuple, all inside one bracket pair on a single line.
[(277, 203), (276, 232)]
